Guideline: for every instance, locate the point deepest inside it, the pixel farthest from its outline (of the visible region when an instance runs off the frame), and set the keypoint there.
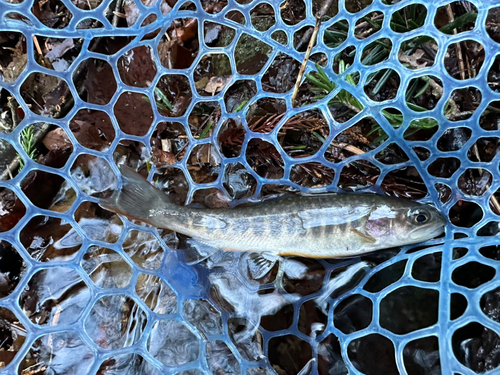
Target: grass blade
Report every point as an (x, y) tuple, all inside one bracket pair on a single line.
[(164, 99), (427, 83), (381, 83), (459, 22), (206, 130)]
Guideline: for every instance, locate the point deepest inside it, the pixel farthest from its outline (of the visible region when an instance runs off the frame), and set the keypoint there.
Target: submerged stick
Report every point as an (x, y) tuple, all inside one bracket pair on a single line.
[(458, 49), (306, 59), (321, 13)]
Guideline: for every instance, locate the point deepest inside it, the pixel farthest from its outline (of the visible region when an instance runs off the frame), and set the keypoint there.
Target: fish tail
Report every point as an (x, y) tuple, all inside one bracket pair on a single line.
[(137, 199)]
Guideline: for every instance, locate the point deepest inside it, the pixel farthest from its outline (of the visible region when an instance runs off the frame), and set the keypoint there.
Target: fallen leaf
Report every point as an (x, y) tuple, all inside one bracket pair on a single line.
[(59, 50), (99, 82), (93, 129), (57, 140), (162, 157), (413, 59), (216, 84), (167, 51), (15, 68), (188, 31), (212, 32), (131, 12), (17, 64), (126, 109), (202, 83), (136, 67), (175, 56)]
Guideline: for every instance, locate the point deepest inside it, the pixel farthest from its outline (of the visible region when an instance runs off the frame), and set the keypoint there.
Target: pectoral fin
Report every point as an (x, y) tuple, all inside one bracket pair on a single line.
[(364, 237)]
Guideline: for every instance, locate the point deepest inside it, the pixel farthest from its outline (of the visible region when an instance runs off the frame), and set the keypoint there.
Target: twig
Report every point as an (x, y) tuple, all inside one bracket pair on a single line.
[(364, 23), (37, 46), (436, 88), (13, 166), (116, 12), (324, 59), (364, 34), (119, 14), (348, 147), (469, 70), (322, 11), (35, 370), (306, 59), (13, 112), (305, 39), (438, 91), (494, 200), (351, 107), (458, 49)]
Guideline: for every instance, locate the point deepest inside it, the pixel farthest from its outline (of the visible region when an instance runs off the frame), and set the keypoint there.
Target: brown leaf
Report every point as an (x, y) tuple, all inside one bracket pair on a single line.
[(100, 83), (92, 129), (57, 140), (126, 109), (160, 157), (188, 31), (174, 56), (216, 84), (15, 67), (136, 67), (167, 51), (131, 12)]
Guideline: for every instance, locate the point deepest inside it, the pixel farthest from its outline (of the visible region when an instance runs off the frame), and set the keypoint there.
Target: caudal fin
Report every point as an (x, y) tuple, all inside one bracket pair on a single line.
[(136, 199)]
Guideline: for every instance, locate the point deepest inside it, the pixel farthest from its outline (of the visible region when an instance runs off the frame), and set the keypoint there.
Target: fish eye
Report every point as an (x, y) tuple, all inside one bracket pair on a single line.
[(421, 218), (419, 215)]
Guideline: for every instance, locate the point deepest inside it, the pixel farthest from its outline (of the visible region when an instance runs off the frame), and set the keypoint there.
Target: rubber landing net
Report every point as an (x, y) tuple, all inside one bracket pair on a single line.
[(399, 97)]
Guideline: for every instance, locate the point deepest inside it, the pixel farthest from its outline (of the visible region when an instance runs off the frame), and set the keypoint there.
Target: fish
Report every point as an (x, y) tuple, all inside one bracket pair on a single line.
[(323, 225)]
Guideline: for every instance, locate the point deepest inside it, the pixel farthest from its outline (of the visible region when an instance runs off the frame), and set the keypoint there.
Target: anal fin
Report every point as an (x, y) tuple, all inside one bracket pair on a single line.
[(259, 264)]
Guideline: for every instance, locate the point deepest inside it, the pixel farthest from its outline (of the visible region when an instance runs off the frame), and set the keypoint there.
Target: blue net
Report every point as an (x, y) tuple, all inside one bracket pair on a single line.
[(85, 291)]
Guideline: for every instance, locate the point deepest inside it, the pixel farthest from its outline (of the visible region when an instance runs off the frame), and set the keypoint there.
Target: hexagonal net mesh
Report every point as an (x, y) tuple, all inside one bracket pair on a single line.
[(399, 97)]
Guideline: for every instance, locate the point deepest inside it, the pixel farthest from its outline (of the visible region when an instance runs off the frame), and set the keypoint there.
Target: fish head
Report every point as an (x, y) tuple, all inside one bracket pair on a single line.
[(424, 222), (404, 223)]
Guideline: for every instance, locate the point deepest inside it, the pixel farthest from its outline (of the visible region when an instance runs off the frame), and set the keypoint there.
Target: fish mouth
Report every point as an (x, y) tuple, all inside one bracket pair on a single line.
[(427, 233)]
